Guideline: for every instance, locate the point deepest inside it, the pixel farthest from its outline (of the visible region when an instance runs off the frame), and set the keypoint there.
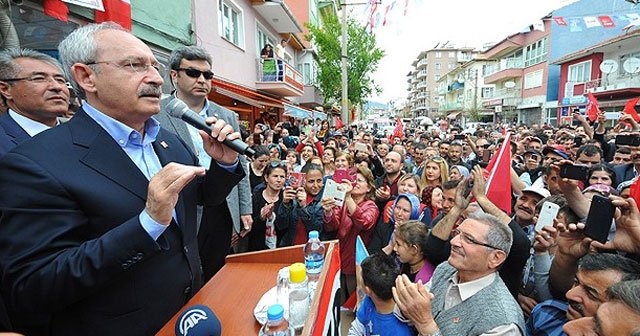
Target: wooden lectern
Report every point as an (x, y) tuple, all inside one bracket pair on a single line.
[(235, 290)]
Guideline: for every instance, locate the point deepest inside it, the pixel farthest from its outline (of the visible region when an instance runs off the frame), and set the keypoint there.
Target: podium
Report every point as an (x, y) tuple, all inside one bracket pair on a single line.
[(235, 290)]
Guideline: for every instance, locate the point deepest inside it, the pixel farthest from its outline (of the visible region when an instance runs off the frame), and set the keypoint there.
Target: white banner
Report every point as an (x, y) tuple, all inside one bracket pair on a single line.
[(591, 21), (93, 4)]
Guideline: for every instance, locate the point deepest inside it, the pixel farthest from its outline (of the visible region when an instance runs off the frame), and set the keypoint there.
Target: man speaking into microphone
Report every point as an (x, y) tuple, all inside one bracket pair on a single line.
[(192, 78), (98, 227)]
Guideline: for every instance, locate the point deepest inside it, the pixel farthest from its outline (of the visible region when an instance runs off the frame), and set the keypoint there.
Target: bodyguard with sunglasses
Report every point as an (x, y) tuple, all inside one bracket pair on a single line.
[(192, 78)]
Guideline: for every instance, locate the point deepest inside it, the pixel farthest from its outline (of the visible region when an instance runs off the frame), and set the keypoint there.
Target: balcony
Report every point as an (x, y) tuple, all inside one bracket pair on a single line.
[(278, 15), (450, 107), (422, 73), (612, 86), (312, 96), (503, 70), (422, 95), (422, 84), (455, 86), (280, 78), (422, 63), (510, 97)]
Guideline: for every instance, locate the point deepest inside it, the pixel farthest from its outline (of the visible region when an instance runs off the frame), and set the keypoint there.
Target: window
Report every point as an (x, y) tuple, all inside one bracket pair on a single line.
[(487, 92), (535, 52), (452, 54), (533, 79), (231, 23), (262, 39), (437, 66), (437, 77), (438, 54), (451, 66), (308, 73), (580, 72)]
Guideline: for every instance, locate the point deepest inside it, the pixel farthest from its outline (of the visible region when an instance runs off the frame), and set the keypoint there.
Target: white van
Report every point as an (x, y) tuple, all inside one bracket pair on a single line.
[(380, 123)]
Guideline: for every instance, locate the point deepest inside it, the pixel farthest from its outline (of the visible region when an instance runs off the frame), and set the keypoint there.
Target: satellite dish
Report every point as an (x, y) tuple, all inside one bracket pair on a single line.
[(631, 65), (510, 84), (609, 66)]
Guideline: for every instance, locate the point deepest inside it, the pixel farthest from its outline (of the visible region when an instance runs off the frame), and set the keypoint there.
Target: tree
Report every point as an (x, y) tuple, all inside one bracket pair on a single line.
[(363, 58)]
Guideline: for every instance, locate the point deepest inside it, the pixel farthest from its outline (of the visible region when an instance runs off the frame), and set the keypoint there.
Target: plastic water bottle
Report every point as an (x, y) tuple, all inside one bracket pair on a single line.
[(298, 296), (314, 259), (276, 324)]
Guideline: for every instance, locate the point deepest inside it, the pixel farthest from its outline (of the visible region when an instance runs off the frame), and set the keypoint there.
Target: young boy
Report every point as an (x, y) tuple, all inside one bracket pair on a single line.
[(375, 315)]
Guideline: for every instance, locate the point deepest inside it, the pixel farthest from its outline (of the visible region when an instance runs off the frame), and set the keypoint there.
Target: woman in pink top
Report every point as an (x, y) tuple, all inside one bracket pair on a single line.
[(357, 216)]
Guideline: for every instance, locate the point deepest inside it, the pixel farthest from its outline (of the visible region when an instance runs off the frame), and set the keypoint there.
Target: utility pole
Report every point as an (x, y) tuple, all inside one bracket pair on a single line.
[(343, 66)]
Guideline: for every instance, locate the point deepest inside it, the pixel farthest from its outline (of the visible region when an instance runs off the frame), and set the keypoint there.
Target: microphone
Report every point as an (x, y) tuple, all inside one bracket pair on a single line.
[(179, 109), (198, 320)]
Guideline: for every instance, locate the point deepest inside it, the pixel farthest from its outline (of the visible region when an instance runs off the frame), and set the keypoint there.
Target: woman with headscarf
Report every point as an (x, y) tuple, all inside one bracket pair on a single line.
[(405, 207), (458, 172)]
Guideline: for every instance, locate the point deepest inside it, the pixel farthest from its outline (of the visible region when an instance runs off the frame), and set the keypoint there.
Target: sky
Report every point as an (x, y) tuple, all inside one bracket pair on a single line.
[(470, 23)]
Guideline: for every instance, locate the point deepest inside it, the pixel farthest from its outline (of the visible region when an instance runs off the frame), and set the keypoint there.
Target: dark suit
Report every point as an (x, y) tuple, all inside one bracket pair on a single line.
[(624, 172), (214, 239), (11, 134), (71, 243)]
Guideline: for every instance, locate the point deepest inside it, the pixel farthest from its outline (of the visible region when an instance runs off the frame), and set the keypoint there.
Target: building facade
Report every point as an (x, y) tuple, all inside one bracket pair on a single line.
[(429, 67)]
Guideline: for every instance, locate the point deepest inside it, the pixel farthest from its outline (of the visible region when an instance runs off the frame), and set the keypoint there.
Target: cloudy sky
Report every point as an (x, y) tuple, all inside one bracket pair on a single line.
[(462, 22)]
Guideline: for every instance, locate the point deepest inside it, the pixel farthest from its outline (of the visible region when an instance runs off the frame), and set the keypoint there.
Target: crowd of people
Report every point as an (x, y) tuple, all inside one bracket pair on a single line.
[(111, 221)]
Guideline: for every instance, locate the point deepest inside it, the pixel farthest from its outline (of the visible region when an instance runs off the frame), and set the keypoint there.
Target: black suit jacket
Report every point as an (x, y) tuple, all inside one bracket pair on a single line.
[(11, 134), (71, 244), (624, 172)]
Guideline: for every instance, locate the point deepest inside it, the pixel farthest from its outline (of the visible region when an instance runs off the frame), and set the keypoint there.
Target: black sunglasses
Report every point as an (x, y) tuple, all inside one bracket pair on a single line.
[(195, 73)]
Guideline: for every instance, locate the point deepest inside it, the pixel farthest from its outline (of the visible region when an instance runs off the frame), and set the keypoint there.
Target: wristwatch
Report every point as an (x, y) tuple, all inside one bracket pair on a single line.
[(435, 333)]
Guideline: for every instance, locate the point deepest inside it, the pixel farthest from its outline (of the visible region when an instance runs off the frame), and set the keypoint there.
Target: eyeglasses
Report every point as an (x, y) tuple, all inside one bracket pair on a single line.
[(437, 159), (467, 238), (39, 79), (135, 66), (195, 73), (277, 163)]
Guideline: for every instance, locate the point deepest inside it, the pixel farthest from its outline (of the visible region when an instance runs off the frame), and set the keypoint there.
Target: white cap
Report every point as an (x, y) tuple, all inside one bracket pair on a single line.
[(543, 192)]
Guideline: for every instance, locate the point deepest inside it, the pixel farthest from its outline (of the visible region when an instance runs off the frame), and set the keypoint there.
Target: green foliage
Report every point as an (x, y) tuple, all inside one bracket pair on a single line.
[(363, 58)]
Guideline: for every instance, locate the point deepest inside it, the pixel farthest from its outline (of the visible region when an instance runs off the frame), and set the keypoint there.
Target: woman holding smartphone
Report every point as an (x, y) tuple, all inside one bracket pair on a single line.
[(300, 209), (356, 217)]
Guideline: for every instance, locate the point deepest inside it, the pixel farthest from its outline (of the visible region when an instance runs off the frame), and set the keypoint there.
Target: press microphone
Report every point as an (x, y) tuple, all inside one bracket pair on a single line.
[(179, 109), (198, 320)]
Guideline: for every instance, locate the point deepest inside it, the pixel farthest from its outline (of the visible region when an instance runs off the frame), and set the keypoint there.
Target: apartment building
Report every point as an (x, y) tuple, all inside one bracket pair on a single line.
[(429, 67)]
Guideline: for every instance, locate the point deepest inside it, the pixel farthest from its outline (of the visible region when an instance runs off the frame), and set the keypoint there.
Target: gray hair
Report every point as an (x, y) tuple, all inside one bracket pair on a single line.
[(499, 234), (81, 47), (9, 68), (190, 53), (626, 291)]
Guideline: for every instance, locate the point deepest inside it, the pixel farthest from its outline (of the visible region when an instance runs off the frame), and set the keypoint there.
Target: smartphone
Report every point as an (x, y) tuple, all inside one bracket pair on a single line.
[(297, 179), (599, 219), (628, 140), (459, 137), (361, 147), (577, 141), (468, 186), (574, 172), (534, 157), (548, 212), (340, 175), (486, 155)]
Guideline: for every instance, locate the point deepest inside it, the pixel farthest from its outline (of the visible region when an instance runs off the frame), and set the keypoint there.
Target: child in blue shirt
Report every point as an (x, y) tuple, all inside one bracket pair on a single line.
[(375, 316)]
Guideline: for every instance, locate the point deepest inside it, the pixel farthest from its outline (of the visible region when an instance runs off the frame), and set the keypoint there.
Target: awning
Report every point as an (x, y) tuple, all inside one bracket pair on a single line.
[(296, 112), (240, 97), (528, 106), (318, 114), (454, 115)]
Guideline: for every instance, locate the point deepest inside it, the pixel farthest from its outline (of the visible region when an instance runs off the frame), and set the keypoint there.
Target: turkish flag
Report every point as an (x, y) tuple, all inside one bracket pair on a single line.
[(630, 108), (560, 21), (592, 107), (635, 191), (118, 11), (398, 132), (56, 9), (499, 181)]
